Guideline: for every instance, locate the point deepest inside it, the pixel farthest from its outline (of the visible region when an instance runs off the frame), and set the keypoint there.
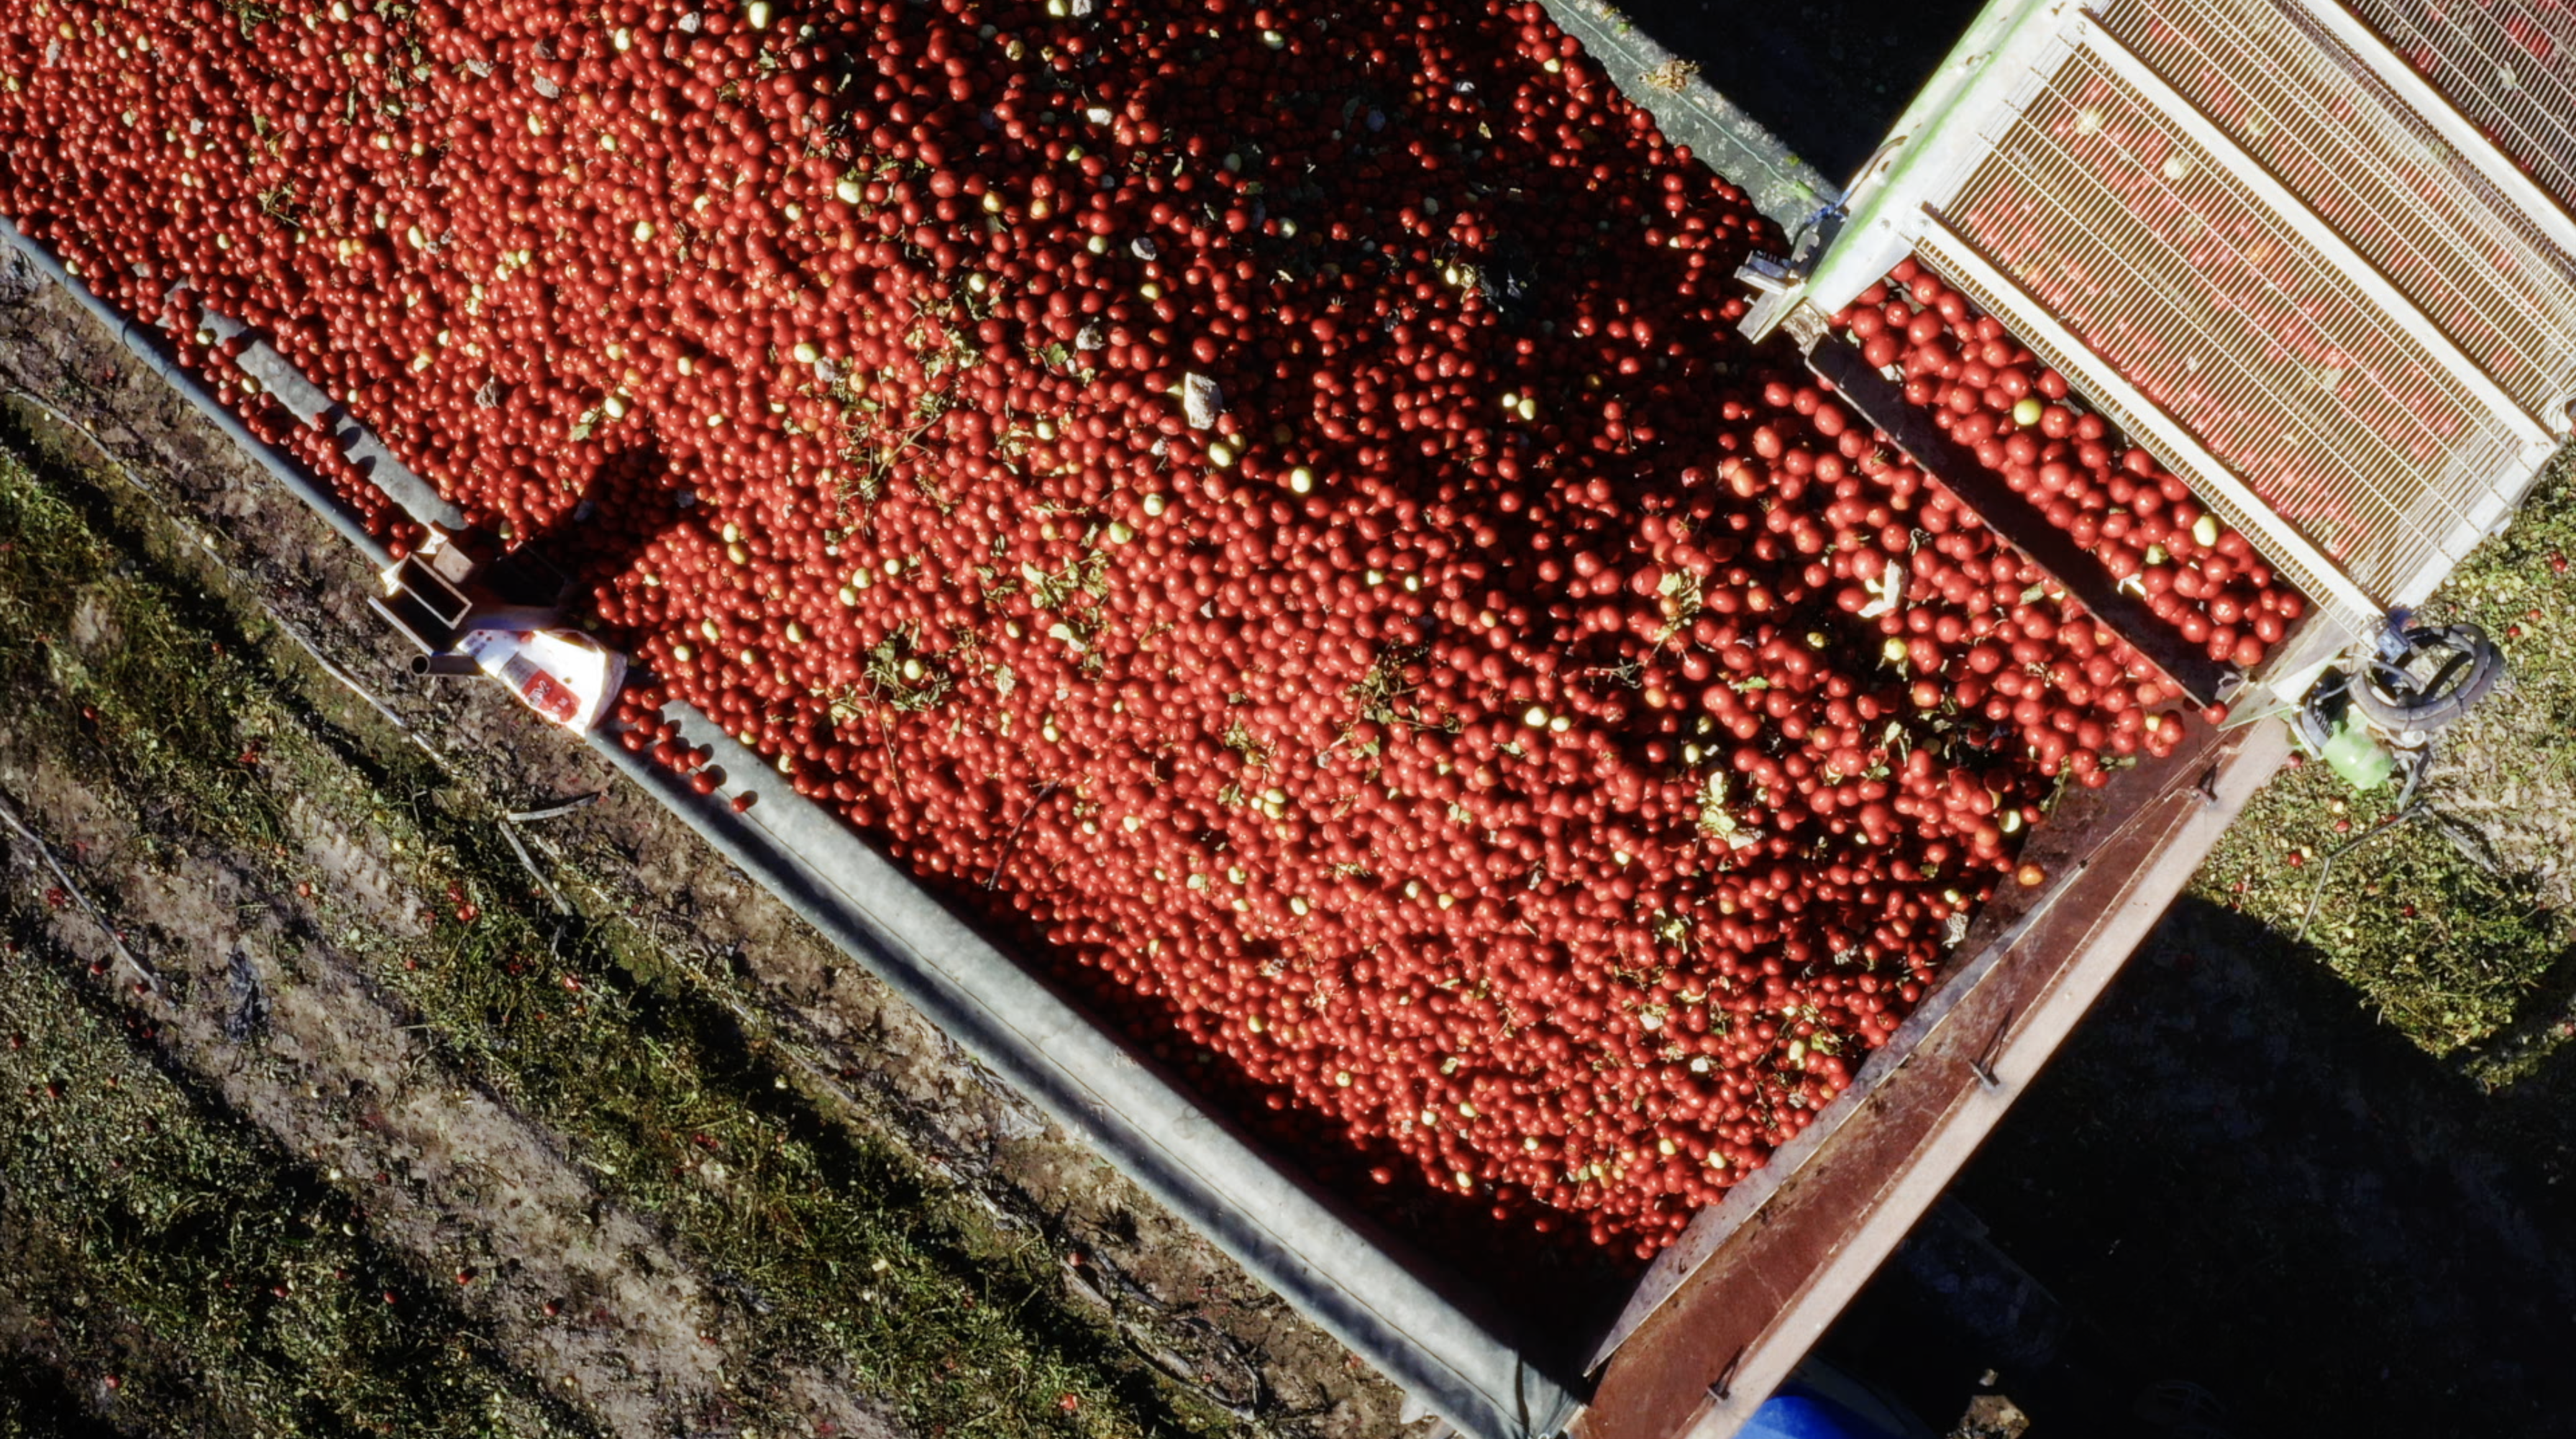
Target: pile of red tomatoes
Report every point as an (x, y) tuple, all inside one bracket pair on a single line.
[(1994, 397), (1264, 503)]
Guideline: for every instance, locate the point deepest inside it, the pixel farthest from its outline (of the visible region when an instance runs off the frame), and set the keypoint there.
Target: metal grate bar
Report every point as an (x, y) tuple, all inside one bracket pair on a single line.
[(2135, 314), (2508, 65), (2353, 44), (2219, 313), (2294, 216), (1951, 252), (2419, 212)]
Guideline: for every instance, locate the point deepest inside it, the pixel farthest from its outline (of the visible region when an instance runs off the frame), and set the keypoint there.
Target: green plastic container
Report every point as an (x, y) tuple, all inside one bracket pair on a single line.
[(2353, 754)]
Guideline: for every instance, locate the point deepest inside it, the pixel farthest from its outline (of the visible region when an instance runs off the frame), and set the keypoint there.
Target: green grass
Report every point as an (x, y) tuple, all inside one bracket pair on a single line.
[(2445, 924), (837, 1246), (176, 1250)]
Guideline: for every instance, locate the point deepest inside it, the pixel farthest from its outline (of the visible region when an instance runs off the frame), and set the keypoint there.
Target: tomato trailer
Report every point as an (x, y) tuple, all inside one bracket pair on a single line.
[(2318, 258)]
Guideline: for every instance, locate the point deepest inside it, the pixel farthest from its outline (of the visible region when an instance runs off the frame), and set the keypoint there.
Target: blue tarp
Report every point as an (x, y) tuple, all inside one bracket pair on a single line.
[(1797, 1414)]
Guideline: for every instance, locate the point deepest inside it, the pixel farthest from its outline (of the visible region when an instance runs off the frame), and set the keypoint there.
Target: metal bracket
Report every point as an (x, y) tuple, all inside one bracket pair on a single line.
[(1814, 238), (1983, 1064), (1806, 324), (460, 582), (1722, 1388), (1766, 313), (1768, 274)]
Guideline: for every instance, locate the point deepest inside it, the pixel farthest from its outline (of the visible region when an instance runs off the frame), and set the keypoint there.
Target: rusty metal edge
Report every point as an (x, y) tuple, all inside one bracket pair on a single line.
[(2066, 845), (2030, 1040), (1732, 1385), (1712, 1227)]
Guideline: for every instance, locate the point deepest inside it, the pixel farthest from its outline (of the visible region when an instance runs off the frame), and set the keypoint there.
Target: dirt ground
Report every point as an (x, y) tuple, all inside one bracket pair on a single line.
[(282, 993)]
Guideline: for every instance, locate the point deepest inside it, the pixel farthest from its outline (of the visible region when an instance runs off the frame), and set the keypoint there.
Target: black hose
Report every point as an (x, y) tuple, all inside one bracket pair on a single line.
[(2390, 696)]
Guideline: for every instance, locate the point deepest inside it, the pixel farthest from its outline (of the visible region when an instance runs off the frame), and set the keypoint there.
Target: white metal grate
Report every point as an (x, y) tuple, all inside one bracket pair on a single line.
[(2297, 269), (2509, 67), (2004, 295), (2219, 313), (2496, 288)]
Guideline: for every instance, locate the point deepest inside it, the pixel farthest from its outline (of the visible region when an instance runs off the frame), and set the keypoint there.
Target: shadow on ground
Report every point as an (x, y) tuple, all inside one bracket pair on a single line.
[(1827, 78), (35, 1403), (2234, 1175)]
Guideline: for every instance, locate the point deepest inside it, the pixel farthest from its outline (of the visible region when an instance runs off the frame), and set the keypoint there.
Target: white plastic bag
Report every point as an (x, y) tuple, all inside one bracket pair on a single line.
[(564, 675)]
